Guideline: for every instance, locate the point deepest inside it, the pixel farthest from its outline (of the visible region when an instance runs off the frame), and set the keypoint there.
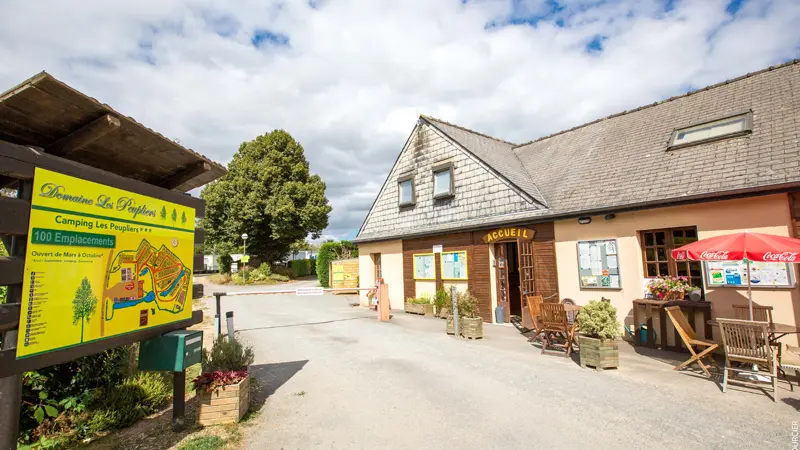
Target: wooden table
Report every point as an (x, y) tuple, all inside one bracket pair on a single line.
[(644, 310)]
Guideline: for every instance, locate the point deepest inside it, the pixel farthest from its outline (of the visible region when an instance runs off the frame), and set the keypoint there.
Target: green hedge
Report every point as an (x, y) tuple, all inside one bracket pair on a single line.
[(331, 251), (303, 267)]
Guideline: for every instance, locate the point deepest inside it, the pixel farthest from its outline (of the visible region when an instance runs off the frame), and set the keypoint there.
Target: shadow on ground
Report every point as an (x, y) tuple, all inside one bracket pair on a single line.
[(269, 378)]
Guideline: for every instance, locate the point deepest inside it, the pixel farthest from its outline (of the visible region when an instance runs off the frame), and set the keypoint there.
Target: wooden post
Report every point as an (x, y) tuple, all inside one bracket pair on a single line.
[(383, 302), (11, 386), (179, 401)]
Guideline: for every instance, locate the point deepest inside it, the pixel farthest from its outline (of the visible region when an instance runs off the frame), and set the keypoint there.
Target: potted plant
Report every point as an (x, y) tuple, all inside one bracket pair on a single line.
[(441, 303), (223, 389), (471, 322), (599, 331), (670, 288)]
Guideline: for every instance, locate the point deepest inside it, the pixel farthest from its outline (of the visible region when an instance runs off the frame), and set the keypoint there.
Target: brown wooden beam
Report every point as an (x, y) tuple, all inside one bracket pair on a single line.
[(185, 174), (84, 136), (9, 316), (11, 270), (36, 158), (10, 365), (14, 215)]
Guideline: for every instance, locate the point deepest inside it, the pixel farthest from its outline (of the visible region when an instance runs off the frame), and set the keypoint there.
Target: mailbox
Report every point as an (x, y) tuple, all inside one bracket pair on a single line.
[(171, 352)]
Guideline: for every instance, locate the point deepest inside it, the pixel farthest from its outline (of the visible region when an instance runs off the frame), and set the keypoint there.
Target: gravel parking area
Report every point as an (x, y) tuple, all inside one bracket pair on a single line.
[(335, 377)]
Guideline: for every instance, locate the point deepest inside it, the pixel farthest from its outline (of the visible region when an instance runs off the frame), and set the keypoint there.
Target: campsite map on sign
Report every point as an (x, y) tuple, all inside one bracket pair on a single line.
[(101, 262)]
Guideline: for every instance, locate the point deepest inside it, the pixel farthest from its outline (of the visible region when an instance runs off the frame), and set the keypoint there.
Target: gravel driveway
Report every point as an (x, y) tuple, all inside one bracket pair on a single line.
[(336, 378)]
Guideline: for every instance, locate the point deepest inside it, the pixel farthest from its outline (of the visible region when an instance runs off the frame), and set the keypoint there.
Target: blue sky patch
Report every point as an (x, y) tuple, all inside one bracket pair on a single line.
[(520, 16), (734, 6), (223, 24), (596, 44), (266, 37)]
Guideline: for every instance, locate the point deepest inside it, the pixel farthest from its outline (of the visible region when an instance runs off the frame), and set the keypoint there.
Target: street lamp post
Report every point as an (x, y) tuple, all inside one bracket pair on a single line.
[(244, 272)]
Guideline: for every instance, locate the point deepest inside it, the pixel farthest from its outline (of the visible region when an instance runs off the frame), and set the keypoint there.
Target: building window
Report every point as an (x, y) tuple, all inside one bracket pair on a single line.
[(443, 180), (127, 274), (709, 131), (424, 268), (405, 189), (657, 254), (454, 265)]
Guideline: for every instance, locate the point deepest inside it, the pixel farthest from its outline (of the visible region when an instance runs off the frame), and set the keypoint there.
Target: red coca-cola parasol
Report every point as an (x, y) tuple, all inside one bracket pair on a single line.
[(745, 246)]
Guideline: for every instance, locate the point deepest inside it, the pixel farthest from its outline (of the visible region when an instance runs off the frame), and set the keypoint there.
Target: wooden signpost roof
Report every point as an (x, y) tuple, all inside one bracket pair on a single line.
[(45, 112)]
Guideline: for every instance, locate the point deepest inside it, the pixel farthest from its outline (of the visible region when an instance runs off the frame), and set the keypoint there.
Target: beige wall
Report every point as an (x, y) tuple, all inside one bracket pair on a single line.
[(391, 267), (767, 214)]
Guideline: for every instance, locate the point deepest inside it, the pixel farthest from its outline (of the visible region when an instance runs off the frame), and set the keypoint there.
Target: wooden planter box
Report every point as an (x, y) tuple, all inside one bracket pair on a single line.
[(428, 310), (414, 308), (472, 328), (600, 354), (227, 405), (450, 326)]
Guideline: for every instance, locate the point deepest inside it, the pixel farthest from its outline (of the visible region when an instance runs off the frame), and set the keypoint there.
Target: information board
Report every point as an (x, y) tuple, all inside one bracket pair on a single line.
[(454, 265), (598, 265), (734, 273), (101, 262), (424, 268)]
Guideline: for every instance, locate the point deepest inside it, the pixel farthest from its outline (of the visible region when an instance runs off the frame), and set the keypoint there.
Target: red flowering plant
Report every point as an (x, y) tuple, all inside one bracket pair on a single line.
[(224, 365), (213, 381), (670, 288)]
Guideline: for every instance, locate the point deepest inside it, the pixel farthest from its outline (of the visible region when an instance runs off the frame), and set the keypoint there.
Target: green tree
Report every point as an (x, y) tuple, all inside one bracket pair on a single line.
[(163, 213), (183, 218), (333, 251), (174, 215), (269, 194), (84, 304)]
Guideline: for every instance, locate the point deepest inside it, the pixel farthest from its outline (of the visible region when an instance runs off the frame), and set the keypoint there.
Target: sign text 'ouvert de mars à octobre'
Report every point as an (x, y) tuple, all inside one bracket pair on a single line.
[(524, 234)]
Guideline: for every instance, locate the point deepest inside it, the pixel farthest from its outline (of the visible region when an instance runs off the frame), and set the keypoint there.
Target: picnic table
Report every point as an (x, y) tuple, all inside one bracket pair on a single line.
[(646, 308)]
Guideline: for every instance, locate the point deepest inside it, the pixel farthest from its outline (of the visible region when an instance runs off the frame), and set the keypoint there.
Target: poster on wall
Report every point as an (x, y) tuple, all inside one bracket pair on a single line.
[(734, 274), (454, 266), (423, 267), (597, 264), (101, 262)]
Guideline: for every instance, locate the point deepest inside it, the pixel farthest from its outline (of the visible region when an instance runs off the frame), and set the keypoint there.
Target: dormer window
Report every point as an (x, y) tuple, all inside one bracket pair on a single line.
[(710, 131), (443, 180), (405, 191)]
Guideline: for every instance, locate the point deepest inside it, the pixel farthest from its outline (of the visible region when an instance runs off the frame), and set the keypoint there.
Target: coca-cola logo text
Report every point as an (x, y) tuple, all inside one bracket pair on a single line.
[(718, 256), (782, 257)]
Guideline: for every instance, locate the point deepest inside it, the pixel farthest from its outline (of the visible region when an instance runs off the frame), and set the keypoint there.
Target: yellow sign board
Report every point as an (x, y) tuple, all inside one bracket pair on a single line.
[(101, 262), (524, 234)]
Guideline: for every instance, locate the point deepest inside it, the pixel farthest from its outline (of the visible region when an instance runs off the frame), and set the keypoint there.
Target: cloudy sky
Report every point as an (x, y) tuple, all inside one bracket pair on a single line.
[(348, 78)]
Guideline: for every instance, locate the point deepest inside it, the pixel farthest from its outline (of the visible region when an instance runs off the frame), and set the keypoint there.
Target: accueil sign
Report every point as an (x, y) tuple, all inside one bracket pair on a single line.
[(524, 234)]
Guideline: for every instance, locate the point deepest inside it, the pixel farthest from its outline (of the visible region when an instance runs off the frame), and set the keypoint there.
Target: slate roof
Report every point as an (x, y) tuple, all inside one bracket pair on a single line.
[(622, 162), (496, 153)]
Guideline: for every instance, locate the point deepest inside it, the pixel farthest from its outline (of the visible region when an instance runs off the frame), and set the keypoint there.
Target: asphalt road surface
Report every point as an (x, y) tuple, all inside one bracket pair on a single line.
[(334, 377)]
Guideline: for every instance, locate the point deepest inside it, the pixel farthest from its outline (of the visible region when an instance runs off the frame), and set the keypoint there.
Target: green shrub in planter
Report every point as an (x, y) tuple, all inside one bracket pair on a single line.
[(599, 330)]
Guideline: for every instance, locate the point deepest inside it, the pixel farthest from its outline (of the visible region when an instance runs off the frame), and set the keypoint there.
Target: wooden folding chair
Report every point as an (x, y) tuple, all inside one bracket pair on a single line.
[(534, 303), (760, 313), (747, 342), (691, 341), (554, 323)]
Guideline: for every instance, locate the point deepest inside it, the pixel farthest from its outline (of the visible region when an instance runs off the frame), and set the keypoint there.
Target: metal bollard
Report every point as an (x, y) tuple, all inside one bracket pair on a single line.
[(229, 320), (454, 296), (217, 316)]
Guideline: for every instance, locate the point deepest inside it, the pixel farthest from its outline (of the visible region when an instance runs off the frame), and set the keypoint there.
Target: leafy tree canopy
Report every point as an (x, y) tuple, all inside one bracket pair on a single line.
[(267, 193)]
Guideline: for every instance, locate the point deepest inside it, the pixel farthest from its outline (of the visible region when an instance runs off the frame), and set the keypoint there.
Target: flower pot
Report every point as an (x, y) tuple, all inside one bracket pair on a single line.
[(427, 310), (450, 326), (598, 353), (472, 327), (414, 308), (226, 405)]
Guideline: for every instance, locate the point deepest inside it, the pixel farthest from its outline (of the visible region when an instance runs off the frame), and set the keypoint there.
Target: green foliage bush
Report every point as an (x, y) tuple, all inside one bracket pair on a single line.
[(599, 320), (468, 305), (332, 251), (282, 270), (124, 404), (225, 262), (260, 273), (278, 277), (203, 443), (227, 354), (302, 267)]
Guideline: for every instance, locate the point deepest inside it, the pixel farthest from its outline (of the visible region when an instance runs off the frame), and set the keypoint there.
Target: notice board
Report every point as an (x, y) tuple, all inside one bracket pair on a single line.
[(101, 262), (598, 264)]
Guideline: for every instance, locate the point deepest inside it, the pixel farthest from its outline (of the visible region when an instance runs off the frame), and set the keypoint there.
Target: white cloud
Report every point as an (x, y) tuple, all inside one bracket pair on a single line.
[(356, 73)]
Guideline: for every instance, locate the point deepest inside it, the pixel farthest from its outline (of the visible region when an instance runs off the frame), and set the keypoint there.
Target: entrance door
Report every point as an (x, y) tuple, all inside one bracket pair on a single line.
[(526, 284), (501, 267), (508, 280)]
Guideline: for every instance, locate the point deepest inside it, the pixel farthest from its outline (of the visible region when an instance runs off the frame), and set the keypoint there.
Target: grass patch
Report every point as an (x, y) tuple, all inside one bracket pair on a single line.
[(203, 443), (220, 278), (300, 394)]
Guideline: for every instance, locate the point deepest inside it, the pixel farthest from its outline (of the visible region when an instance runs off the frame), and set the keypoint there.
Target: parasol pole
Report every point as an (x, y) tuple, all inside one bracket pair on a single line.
[(749, 289)]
